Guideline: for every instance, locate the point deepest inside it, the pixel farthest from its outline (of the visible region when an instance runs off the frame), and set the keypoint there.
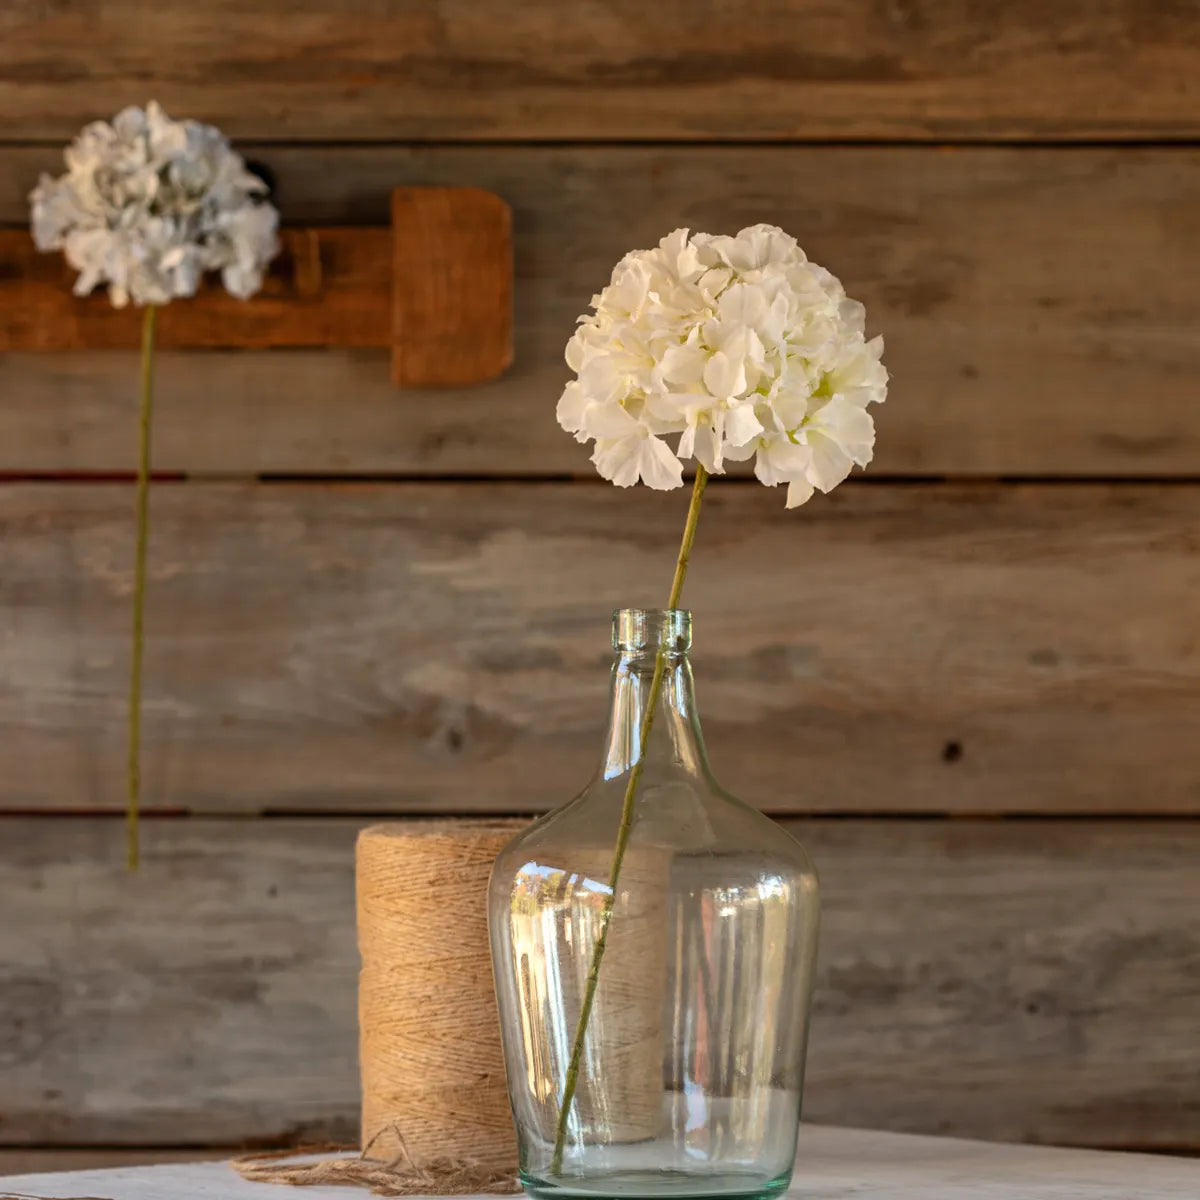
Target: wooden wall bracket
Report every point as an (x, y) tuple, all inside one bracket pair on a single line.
[(437, 289)]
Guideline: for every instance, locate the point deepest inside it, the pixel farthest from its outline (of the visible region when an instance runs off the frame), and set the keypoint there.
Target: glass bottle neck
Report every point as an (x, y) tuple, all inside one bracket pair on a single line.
[(674, 741)]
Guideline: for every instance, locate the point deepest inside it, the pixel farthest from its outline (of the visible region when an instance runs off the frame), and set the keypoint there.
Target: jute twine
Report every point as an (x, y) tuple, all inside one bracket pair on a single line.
[(429, 1034), (395, 1176), (620, 1089), (435, 1112)]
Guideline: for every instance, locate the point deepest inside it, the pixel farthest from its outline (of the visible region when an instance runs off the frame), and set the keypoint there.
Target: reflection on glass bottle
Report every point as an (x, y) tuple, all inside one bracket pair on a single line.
[(692, 1065)]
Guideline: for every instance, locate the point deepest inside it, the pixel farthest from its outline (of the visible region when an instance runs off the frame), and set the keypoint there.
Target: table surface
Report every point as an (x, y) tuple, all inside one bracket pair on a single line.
[(832, 1164)]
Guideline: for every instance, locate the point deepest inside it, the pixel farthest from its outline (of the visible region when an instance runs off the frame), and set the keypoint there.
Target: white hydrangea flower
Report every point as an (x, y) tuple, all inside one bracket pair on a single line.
[(149, 205), (737, 347)]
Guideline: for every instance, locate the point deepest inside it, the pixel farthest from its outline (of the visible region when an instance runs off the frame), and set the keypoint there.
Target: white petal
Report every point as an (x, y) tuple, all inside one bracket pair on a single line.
[(713, 282), (743, 303), (575, 351), (742, 453), (241, 281), (853, 314), (674, 243), (723, 376), (790, 404), (603, 379), (741, 425), (781, 460), (799, 492), (848, 424), (626, 460), (571, 406), (617, 461), (830, 463), (660, 468), (709, 452), (629, 289), (609, 421), (683, 364), (687, 442), (680, 254)]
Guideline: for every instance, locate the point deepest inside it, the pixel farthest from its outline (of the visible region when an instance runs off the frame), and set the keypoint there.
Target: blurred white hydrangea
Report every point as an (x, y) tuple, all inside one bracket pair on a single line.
[(148, 205), (738, 345)]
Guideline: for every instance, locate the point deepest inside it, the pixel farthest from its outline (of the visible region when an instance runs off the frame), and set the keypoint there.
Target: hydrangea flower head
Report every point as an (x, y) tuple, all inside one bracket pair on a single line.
[(148, 205), (722, 349)]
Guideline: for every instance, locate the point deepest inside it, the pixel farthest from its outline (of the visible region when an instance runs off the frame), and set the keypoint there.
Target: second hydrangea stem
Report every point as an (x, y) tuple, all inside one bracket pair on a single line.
[(145, 412), (623, 831)]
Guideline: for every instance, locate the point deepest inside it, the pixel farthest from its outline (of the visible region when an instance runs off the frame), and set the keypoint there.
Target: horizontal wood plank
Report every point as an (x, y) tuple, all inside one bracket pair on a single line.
[(327, 287), (446, 69), (1003, 281), (1013, 980), (422, 647)]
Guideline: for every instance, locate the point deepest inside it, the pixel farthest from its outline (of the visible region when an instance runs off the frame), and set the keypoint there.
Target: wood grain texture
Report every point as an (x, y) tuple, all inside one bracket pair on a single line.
[(327, 287), (54, 1160), (452, 270), (1014, 980), (445, 647), (446, 69), (1004, 281), (832, 1164)]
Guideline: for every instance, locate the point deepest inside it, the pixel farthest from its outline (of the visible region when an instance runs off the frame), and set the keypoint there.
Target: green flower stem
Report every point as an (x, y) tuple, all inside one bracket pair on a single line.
[(624, 830), (134, 781)]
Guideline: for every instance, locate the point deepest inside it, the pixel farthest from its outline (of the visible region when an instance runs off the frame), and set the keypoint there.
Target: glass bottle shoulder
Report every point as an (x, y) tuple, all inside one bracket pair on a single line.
[(676, 816)]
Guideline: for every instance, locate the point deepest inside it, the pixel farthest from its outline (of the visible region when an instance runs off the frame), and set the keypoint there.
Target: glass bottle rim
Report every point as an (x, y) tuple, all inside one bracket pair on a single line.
[(636, 630)]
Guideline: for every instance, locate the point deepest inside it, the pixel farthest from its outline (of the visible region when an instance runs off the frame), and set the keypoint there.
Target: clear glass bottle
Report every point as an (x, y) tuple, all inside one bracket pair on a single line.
[(691, 1069)]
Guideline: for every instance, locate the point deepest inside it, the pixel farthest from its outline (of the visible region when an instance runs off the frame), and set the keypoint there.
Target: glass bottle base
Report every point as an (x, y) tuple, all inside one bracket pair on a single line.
[(656, 1185)]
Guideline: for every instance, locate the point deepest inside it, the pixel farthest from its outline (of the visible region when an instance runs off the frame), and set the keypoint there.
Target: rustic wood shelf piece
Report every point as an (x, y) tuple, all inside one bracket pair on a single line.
[(451, 286), (436, 289)]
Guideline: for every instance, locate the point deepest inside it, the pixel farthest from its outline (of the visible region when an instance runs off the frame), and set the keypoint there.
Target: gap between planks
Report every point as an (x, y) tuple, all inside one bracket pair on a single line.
[(384, 478), (1132, 817)]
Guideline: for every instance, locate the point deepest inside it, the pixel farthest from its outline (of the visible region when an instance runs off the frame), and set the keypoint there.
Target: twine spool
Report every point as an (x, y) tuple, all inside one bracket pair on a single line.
[(620, 1092), (429, 1035)]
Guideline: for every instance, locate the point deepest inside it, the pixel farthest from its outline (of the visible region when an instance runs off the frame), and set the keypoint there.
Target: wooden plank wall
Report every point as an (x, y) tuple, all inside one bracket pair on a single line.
[(971, 682)]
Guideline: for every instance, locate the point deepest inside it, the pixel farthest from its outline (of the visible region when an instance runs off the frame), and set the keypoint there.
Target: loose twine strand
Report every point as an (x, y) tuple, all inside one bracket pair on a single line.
[(395, 1176)]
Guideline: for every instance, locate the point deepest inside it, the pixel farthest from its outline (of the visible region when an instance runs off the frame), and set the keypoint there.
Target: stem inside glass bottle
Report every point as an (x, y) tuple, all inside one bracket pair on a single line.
[(625, 829)]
